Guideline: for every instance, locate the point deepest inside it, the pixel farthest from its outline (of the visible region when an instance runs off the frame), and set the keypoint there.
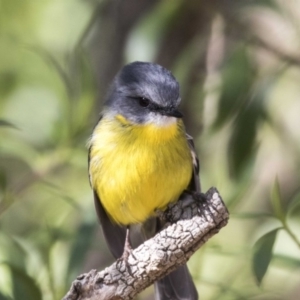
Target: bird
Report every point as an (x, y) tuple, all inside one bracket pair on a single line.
[(141, 160)]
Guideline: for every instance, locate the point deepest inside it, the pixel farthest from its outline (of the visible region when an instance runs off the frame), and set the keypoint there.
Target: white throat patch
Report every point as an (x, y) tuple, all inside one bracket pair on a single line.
[(159, 120)]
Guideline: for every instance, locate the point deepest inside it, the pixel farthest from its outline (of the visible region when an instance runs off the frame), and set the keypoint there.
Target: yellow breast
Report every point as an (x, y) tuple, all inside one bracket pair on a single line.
[(136, 169)]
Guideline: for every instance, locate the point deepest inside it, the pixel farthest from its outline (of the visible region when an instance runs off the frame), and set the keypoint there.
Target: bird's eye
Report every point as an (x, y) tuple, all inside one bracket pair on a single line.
[(144, 102)]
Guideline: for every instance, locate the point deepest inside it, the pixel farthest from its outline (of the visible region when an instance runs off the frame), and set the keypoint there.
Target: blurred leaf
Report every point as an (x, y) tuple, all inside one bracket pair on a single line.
[(5, 123), (15, 253), (237, 79), (276, 201), (87, 82), (237, 102), (24, 286), (227, 291), (242, 100), (48, 57), (7, 200), (60, 194), (242, 143), (294, 204), (8, 82), (3, 180), (263, 249), (15, 175), (82, 244), (83, 81), (273, 4), (287, 261), (2, 297), (253, 215), (241, 189)]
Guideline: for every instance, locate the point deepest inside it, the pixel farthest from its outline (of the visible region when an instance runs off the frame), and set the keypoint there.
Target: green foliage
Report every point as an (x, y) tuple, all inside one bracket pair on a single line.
[(263, 248), (294, 204), (2, 297), (79, 249), (263, 251), (57, 59), (277, 203), (4, 123), (24, 286), (237, 81)]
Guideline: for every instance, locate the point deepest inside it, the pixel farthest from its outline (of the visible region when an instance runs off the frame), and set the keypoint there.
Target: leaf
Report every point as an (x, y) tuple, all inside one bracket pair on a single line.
[(272, 4), (263, 252), (294, 204), (86, 80), (2, 297), (52, 60), (253, 215), (276, 201), (24, 286), (82, 244), (8, 82), (5, 123), (84, 86), (237, 79), (57, 191), (242, 143), (286, 261), (3, 180)]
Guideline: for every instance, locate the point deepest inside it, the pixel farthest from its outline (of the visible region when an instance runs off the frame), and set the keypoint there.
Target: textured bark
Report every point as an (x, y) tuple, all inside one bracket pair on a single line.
[(192, 224)]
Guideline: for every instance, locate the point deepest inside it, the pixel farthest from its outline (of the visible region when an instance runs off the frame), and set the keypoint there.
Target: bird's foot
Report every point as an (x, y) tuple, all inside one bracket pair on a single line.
[(197, 196), (201, 202), (125, 256)]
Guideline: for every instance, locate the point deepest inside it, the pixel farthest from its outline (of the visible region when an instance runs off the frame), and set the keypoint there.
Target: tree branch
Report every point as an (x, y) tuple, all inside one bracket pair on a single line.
[(195, 222)]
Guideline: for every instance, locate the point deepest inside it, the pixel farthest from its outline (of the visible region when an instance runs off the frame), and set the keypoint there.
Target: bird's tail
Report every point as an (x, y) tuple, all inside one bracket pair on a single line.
[(178, 285)]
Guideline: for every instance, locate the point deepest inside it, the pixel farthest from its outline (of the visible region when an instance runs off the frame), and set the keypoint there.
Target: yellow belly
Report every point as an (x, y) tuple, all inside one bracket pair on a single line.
[(136, 170)]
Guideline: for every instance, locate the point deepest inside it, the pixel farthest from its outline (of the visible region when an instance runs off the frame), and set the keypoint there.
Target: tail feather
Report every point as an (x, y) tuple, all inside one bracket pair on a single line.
[(178, 285)]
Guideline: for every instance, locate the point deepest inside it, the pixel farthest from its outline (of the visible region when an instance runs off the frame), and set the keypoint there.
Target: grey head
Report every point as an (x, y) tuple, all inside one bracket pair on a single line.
[(144, 92)]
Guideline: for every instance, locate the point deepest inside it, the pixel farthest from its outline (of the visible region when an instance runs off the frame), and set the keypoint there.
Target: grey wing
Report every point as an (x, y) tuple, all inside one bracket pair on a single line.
[(195, 181), (114, 234)]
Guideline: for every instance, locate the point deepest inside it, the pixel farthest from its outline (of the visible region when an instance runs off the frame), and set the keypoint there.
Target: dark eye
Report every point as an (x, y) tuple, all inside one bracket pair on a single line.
[(144, 102)]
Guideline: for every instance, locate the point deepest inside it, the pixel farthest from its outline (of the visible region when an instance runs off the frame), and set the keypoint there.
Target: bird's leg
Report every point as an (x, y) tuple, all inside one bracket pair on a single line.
[(127, 247), (126, 252), (197, 196), (201, 202)]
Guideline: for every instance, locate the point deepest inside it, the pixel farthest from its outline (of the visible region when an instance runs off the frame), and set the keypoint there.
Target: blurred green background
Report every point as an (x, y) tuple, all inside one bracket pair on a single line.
[(238, 66)]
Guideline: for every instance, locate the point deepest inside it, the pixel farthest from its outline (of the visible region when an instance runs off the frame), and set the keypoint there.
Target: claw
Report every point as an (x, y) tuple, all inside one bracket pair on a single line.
[(126, 253), (199, 196)]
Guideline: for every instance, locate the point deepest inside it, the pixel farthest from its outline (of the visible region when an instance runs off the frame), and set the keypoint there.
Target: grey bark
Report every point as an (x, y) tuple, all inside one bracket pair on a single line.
[(192, 223)]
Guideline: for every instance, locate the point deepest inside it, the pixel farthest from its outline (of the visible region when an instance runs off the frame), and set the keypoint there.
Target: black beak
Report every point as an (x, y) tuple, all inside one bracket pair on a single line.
[(173, 112)]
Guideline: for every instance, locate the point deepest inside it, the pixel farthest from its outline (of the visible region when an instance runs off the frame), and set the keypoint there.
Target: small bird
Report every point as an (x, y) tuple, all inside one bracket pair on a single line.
[(141, 160)]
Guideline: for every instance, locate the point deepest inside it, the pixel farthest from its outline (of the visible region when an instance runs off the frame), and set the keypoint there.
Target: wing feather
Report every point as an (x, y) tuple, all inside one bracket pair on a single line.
[(195, 181), (114, 234)]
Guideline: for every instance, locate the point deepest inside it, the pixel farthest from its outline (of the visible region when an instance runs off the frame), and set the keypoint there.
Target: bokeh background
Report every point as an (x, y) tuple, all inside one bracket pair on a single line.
[(238, 66)]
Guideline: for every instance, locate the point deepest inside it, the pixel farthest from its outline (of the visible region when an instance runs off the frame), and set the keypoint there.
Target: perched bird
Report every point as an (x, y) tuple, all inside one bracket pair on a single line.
[(141, 160)]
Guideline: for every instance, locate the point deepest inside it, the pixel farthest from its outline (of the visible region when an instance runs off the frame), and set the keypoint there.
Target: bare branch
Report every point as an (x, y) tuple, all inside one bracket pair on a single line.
[(196, 222)]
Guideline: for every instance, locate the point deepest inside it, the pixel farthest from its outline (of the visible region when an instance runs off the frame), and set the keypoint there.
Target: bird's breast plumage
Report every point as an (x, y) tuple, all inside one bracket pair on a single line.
[(136, 169)]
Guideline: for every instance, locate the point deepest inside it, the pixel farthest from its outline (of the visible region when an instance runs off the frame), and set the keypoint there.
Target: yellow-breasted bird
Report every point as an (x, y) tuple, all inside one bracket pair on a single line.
[(141, 160)]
